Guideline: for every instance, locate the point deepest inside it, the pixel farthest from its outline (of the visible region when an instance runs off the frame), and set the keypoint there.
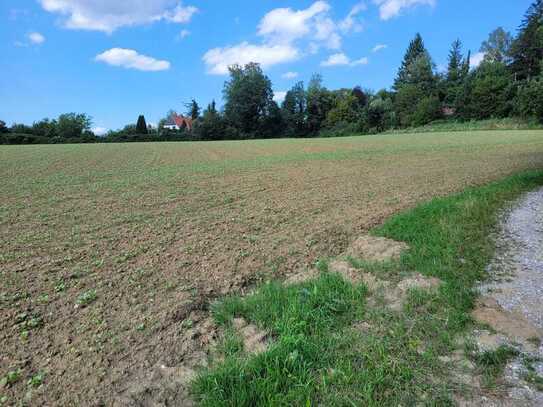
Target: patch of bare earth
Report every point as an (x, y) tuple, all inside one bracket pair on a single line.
[(373, 249), (255, 340)]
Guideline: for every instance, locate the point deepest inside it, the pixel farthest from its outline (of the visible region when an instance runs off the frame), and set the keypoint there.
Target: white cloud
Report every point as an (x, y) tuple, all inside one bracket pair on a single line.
[(336, 60), (379, 47), (287, 35), (130, 59), (109, 15), (36, 38), (279, 96), (289, 75), (340, 59), (393, 8), (99, 131), (183, 34), (326, 33), (287, 25), (476, 59), (349, 23), (361, 61), (218, 60)]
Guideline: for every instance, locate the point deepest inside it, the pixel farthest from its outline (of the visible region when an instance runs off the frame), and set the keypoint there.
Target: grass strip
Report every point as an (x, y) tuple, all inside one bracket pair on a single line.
[(330, 348)]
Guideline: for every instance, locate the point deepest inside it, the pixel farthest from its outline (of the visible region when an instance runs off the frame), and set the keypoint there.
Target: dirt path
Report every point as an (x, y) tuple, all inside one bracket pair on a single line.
[(512, 302)]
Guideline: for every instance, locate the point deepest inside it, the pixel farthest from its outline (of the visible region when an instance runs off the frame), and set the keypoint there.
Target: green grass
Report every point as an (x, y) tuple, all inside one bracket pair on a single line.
[(491, 363), (304, 320), (473, 125), (319, 357)]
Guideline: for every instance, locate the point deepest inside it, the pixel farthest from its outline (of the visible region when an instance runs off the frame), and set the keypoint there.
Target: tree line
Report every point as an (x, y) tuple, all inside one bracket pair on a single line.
[(507, 83)]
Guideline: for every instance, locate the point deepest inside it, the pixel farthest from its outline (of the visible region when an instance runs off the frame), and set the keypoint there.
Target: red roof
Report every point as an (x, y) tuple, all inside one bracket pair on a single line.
[(181, 121)]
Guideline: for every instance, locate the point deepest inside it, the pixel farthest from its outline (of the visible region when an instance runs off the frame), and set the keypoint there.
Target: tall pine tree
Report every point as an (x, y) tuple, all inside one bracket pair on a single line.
[(141, 126), (527, 50), (415, 50), (454, 70)]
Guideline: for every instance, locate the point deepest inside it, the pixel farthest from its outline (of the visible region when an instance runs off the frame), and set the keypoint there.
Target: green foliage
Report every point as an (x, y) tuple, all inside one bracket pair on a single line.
[(3, 127), (319, 103), (379, 114), (491, 92), (529, 101), (294, 110), (428, 109), (346, 110), (407, 99), (249, 97), (527, 49), (73, 125), (141, 125), (193, 110), (497, 48), (212, 125), (415, 50)]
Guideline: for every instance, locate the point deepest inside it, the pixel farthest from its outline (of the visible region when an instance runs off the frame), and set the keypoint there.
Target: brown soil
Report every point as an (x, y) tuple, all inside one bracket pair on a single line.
[(513, 325), (160, 231), (375, 249), (254, 340)]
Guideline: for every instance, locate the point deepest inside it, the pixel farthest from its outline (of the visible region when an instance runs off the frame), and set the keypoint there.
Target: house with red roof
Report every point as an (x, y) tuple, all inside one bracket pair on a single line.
[(178, 122)]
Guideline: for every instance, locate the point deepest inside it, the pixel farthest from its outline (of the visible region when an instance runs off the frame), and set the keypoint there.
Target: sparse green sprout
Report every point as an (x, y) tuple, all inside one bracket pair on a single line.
[(36, 380), (87, 298), (43, 298), (27, 322), (11, 377), (140, 327), (3, 400), (187, 324), (60, 287)]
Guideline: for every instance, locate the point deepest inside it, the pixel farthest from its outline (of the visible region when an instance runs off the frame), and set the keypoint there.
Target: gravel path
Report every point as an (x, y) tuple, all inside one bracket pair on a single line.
[(516, 274), (517, 268)]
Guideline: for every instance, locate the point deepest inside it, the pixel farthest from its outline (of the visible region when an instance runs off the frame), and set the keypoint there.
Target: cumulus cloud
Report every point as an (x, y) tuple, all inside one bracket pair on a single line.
[(379, 47), (350, 23), (340, 59), (108, 15), (130, 59), (393, 8), (286, 34), (219, 59), (289, 75), (476, 59), (287, 25), (36, 38), (279, 96)]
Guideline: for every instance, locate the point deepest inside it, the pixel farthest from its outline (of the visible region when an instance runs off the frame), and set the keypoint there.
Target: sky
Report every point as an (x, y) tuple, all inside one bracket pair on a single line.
[(115, 60)]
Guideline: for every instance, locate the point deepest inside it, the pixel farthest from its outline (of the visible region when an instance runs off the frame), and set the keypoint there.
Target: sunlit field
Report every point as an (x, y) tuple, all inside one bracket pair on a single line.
[(102, 244)]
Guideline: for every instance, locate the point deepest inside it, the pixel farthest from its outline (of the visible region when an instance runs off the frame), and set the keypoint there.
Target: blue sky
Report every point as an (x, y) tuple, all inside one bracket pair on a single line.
[(117, 59)]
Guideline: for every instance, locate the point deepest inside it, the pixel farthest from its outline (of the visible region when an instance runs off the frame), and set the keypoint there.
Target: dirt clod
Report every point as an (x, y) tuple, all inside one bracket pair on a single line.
[(255, 340), (376, 249)]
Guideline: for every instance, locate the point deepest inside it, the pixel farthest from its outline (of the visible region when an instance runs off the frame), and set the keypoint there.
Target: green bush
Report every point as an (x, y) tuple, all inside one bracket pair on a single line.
[(529, 100), (428, 110)]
